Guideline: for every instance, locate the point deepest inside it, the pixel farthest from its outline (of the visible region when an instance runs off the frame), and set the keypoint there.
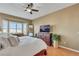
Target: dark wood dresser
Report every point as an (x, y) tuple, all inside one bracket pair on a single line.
[(46, 37)]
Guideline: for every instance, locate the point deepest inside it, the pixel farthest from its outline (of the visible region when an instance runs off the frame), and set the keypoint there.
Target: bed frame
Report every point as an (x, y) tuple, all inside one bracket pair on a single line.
[(42, 53)]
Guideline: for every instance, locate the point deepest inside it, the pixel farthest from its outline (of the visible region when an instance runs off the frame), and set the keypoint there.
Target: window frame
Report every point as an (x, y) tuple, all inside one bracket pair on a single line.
[(8, 27)]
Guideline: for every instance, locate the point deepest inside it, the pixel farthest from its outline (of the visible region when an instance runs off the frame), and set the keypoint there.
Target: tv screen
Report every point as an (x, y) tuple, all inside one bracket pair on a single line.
[(45, 28)]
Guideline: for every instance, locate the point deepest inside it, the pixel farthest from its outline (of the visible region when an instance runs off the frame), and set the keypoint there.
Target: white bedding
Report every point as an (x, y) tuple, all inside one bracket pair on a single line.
[(28, 46)]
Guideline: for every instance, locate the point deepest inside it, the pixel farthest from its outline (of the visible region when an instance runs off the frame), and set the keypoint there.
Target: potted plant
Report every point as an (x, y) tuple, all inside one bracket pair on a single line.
[(55, 39)]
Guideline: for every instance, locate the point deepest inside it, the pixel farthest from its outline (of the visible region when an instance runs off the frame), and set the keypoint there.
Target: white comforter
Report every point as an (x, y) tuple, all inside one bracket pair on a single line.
[(28, 46)]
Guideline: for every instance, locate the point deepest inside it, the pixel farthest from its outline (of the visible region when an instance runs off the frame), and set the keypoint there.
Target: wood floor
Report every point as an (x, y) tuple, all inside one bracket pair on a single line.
[(60, 52)]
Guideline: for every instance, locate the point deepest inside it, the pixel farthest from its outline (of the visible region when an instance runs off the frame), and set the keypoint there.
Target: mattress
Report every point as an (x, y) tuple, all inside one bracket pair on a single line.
[(28, 46)]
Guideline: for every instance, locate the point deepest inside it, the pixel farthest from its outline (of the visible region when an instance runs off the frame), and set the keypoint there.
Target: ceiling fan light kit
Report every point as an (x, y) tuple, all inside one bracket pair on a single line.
[(29, 10)]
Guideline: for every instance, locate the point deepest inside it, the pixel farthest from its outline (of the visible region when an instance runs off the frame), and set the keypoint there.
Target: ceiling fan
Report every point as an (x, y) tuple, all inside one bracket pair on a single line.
[(30, 9)]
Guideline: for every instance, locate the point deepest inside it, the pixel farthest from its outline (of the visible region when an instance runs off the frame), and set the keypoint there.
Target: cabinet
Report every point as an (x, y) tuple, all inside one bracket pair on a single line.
[(46, 37)]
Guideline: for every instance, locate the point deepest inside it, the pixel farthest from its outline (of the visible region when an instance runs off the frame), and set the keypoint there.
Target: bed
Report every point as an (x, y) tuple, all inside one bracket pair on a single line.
[(27, 46)]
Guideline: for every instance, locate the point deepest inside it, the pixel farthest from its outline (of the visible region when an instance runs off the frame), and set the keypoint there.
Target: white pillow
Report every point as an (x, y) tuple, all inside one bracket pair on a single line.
[(4, 42), (7, 39), (13, 40)]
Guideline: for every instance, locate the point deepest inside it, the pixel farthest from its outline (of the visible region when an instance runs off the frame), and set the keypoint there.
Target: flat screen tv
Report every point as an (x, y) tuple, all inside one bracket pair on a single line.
[(45, 28)]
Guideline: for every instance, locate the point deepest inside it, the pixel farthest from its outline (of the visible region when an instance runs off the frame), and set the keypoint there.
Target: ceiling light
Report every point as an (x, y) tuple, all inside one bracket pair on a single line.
[(29, 10)]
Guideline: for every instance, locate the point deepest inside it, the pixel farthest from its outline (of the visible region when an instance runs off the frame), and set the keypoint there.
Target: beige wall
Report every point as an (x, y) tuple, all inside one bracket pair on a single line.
[(65, 23)]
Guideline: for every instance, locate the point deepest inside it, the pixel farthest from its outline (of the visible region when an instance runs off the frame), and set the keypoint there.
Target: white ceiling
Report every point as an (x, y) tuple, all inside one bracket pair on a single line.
[(17, 9)]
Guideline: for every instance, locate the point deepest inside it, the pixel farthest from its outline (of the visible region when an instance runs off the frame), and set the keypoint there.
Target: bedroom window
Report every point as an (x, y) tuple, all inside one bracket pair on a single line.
[(19, 28), (25, 27), (14, 27), (5, 26)]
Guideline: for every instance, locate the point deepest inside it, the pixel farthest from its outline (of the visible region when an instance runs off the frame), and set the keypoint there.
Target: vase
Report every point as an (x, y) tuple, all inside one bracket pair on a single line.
[(55, 44)]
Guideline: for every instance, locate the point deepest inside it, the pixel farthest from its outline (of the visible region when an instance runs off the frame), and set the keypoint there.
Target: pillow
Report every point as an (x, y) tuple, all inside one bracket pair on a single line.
[(4, 42), (1, 46), (13, 40), (7, 38)]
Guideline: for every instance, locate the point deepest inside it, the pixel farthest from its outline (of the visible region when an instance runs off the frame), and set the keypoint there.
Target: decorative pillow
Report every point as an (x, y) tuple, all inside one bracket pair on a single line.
[(7, 39), (13, 40), (4, 42)]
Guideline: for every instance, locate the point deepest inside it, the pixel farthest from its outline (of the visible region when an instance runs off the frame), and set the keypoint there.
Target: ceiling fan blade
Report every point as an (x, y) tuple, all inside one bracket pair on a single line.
[(25, 10), (30, 12), (28, 6), (31, 4), (35, 10)]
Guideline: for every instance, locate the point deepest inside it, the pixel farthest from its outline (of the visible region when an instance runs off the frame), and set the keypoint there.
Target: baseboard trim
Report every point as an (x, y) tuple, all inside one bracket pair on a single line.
[(69, 48)]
